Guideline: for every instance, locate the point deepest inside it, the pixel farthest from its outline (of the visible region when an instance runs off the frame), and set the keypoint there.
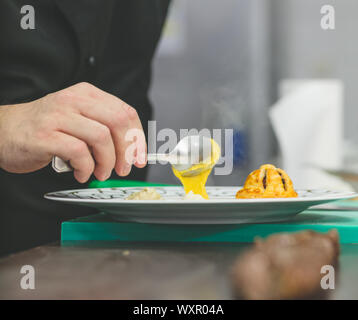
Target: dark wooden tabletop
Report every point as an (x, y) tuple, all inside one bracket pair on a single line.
[(141, 271)]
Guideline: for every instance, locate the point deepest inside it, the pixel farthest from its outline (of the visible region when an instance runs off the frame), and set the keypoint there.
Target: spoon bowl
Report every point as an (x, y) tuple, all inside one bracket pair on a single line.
[(192, 155)]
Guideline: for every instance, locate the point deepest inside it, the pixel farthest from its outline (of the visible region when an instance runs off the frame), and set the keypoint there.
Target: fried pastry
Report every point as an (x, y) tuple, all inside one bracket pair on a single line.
[(267, 182)]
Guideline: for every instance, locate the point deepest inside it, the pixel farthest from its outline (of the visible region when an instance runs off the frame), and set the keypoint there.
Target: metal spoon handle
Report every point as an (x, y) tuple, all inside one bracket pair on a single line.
[(152, 157), (60, 165)]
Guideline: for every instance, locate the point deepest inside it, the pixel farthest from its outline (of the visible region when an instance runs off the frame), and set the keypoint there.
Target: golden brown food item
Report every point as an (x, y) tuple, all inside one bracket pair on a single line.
[(286, 266), (267, 182)]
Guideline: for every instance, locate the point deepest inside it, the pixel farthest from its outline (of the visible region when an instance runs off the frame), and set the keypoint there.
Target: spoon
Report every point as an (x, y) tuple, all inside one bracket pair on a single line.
[(190, 151)]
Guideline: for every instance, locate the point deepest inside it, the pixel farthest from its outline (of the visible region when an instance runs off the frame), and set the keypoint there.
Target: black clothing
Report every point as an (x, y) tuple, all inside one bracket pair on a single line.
[(109, 43)]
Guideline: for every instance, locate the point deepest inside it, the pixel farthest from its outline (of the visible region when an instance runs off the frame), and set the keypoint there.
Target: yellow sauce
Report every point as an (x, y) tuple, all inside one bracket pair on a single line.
[(196, 183)]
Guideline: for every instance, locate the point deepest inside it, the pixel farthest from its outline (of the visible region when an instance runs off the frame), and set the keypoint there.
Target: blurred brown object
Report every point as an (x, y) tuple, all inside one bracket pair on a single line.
[(285, 265)]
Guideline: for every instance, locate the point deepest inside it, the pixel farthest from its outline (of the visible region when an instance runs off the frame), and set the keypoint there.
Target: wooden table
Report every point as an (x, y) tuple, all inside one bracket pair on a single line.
[(99, 270)]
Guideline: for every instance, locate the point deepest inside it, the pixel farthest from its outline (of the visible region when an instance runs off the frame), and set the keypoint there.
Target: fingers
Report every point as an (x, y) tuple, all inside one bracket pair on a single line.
[(118, 124), (97, 136), (120, 118), (137, 136), (76, 152)]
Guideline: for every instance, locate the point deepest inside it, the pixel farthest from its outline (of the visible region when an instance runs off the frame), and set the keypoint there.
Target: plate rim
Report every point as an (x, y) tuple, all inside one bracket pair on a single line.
[(341, 195)]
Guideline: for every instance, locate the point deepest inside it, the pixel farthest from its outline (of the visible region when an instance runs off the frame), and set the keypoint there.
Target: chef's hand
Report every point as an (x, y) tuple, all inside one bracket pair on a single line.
[(81, 124)]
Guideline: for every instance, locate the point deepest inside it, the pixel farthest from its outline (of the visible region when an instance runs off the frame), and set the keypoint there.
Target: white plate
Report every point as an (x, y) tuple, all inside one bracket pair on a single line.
[(222, 208)]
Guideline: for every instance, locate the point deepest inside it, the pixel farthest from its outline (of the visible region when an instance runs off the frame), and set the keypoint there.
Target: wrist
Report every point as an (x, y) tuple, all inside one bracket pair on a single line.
[(3, 111), (3, 115)]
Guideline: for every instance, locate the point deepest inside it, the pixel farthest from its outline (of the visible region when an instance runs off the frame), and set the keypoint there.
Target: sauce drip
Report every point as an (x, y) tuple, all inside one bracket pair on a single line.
[(196, 183)]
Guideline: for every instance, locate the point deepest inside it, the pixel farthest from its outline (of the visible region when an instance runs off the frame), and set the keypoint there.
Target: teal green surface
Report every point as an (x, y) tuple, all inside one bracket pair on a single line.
[(123, 183), (101, 227)]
